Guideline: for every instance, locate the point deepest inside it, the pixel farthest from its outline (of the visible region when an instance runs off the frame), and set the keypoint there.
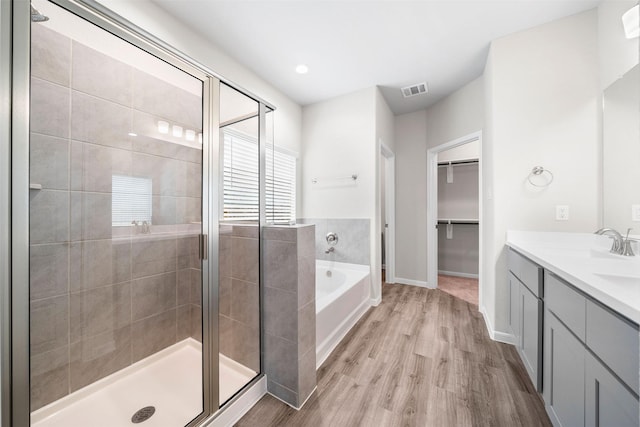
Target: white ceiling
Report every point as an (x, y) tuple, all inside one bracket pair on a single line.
[(355, 44)]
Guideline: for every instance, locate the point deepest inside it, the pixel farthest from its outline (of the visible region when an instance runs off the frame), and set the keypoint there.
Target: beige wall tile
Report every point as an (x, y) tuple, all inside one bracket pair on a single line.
[(96, 357), (50, 55), (49, 108), (153, 295), (49, 270), (152, 334), (100, 75)]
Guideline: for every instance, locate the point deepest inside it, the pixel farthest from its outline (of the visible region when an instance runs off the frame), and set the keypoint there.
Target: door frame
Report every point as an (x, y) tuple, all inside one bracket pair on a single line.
[(432, 209), (390, 211)]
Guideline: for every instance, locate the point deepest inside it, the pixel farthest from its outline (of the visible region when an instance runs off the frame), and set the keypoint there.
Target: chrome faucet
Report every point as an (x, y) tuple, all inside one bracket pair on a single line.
[(621, 245), (332, 240)]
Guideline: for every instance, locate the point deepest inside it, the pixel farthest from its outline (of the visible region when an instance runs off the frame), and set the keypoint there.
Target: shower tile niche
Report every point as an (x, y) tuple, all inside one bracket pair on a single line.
[(103, 296)]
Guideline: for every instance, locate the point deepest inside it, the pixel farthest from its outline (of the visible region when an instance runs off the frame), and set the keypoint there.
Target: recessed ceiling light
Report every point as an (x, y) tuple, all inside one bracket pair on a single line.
[(302, 69), (132, 134)]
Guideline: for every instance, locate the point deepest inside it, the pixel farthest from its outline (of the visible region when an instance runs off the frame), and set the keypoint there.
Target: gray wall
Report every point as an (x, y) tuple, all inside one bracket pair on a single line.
[(353, 239), (455, 116), (102, 298)]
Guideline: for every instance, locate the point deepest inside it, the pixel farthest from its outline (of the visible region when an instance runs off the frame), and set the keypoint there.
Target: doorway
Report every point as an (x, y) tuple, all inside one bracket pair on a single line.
[(387, 213), (454, 230)]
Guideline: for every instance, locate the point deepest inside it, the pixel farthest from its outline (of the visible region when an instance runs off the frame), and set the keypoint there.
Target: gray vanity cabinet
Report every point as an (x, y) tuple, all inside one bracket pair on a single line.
[(525, 313), (514, 306), (590, 362), (609, 402), (563, 374)]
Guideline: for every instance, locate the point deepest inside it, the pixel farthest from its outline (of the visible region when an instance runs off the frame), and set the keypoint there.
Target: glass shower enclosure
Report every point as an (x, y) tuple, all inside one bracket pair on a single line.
[(137, 205)]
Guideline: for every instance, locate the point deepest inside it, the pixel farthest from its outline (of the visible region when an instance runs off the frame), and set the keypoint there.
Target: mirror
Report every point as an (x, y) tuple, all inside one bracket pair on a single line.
[(621, 152)]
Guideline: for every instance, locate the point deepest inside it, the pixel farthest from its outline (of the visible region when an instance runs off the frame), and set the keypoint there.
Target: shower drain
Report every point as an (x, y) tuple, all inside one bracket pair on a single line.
[(143, 414)]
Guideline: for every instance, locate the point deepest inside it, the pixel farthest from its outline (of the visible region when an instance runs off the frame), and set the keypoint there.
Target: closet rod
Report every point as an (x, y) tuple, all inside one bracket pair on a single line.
[(458, 221), (458, 162)]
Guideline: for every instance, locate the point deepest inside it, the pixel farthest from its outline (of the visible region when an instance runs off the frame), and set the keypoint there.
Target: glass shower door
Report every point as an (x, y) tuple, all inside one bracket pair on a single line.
[(116, 204), (239, 242)]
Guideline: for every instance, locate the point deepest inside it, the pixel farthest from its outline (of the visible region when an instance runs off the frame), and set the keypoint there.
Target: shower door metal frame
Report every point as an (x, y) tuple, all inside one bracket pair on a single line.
[(19, 256), (5, 210), (14, 198)]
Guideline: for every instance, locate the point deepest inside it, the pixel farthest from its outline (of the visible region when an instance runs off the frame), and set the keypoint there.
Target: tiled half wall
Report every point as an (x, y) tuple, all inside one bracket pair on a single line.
[(290, 312)]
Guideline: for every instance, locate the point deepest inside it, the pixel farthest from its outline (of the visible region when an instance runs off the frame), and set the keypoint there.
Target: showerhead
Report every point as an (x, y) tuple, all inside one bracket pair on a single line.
[(37, 16)]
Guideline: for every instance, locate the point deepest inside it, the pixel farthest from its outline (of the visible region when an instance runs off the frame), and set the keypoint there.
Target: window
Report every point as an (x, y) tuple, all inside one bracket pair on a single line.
[(241, 181), (130, 200), (281, 187)]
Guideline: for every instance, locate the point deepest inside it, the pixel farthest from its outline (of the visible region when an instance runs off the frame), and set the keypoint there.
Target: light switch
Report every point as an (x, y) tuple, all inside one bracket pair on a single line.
[(635, 212)]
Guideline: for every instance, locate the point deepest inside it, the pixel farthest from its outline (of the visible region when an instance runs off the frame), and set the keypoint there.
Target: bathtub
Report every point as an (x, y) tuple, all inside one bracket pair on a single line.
[(342, 297)]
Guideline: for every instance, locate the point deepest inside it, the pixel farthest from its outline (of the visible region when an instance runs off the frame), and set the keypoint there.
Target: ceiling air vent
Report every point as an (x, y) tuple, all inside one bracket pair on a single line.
[(414, 90)]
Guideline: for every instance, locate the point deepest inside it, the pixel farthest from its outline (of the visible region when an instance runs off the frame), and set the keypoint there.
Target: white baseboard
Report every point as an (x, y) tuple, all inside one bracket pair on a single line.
[(238, 408), (375, 301), (457, 274), (412, 282), (496, 335), (328, 345)]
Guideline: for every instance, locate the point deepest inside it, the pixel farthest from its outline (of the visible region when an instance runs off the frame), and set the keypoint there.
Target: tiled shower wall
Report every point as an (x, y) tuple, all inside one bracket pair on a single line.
[(102, 297), (353, 239), (239, 295)]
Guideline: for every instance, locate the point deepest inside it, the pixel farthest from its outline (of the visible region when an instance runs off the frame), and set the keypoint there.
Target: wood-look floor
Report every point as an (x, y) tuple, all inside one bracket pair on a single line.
[(421, 358)]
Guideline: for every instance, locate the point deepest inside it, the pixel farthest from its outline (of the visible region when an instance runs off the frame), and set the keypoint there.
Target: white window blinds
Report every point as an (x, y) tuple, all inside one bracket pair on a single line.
[(240, 177), (281, 187), (241, 185), (130, 200)]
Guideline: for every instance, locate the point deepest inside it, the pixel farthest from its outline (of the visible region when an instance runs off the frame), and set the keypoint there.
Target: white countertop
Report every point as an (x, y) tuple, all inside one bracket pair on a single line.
[(584, 261)]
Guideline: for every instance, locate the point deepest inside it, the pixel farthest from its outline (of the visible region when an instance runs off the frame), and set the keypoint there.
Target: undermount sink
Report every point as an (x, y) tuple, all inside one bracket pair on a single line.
[(621, 279), (618, 269)]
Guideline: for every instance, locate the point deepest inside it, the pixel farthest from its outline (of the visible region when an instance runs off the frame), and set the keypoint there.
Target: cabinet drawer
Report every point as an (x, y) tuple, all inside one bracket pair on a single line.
[(566, 303), (615, 341), (527, 271)]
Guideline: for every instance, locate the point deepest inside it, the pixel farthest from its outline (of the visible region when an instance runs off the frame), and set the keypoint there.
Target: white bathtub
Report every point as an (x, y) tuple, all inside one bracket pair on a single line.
[(342, 297)]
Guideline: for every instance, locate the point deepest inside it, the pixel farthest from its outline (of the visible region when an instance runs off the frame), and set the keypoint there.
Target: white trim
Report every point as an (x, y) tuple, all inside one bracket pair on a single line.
[(375, 301), (235, 410), (432, 209), (496, 335), (331, 342), (289, 404), (390, 209), (412, 282), (457, 274)]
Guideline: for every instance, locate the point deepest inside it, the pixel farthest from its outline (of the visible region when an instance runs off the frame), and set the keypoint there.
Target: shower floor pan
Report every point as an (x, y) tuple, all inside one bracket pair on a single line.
[(170, 381)]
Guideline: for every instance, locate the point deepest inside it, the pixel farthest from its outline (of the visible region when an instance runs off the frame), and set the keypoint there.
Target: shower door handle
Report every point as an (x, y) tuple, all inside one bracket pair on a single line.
[(203, 246)]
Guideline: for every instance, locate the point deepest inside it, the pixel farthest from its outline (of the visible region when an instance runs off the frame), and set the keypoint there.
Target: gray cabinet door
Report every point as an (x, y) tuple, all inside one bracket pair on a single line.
[(530, 308), (563, 385), (514, 307), (608, 402)]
